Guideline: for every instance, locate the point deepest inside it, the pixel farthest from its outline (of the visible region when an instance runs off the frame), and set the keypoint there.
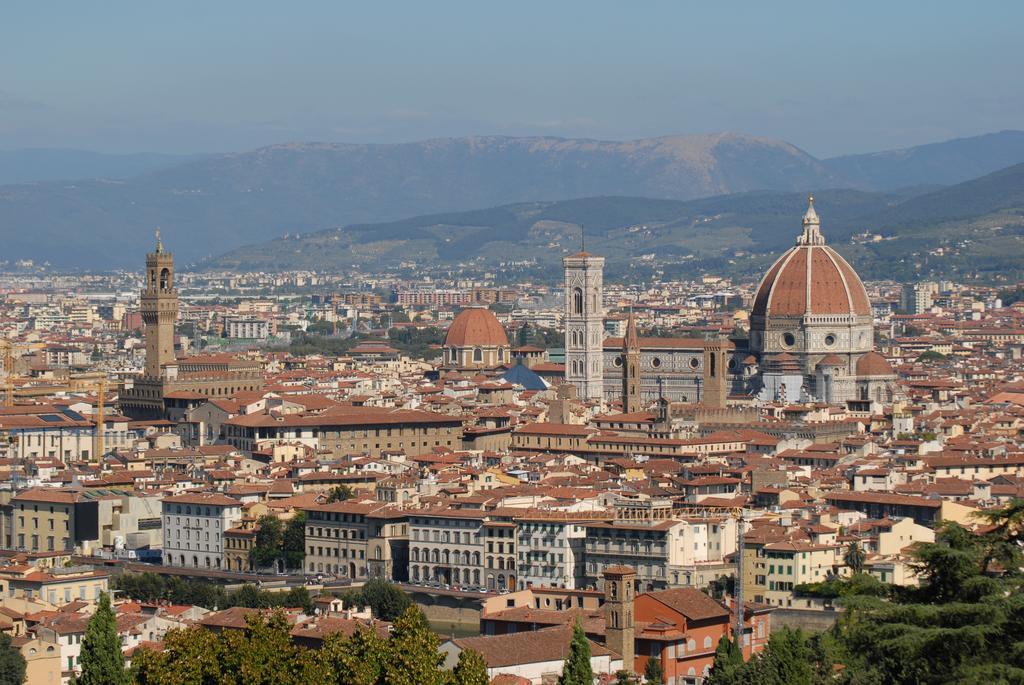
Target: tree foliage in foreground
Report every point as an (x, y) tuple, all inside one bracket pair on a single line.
[(12, 663), (266, 655), (102, 660), (963, 624), (577, 669), (386, 600)]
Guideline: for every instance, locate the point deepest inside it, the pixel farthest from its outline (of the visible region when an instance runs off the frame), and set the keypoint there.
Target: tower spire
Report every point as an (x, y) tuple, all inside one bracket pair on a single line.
[(632, 339), (583, 237), (812, 226), (159, 243), (631, 389)]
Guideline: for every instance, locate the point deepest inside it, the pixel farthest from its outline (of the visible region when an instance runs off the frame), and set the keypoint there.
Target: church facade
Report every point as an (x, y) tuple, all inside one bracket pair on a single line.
[(811, 339)]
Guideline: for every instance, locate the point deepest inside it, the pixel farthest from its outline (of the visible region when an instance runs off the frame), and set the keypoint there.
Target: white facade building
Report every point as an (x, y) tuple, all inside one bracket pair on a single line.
[(194, 525)]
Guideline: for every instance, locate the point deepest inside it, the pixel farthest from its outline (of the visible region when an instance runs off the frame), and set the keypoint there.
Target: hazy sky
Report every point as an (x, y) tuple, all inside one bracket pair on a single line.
[(830, 77)]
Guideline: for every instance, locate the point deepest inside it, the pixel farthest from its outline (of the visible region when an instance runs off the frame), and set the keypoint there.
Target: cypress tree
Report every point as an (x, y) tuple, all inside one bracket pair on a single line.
[(653, 671), (102, 660), (576, 670), (728, 662)]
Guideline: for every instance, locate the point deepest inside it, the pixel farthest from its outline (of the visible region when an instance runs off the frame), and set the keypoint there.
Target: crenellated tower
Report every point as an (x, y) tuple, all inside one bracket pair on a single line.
[(158, 307)]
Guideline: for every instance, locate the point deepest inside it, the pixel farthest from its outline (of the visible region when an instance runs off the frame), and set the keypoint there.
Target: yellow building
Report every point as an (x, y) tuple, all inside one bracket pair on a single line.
[(56, 586), (55, 520)]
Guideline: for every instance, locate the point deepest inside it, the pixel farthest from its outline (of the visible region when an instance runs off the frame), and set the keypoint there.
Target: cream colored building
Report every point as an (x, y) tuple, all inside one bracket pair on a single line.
[(357, 540)]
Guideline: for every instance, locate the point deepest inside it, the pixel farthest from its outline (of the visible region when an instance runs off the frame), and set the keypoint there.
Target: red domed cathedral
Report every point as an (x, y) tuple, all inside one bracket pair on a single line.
[(811, 339), (811, 319)]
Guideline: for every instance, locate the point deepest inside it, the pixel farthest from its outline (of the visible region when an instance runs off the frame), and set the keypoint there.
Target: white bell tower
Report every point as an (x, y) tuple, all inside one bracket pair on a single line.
[(584, 324)]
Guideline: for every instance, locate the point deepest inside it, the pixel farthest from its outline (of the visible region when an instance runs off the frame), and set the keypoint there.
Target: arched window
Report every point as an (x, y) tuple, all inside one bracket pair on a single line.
[(165, 279), (707, 643), (478, 355), (577, 301)]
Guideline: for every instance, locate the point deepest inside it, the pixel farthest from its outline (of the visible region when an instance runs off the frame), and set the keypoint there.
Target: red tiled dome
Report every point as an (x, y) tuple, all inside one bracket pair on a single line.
[(811, 278), (831, 360), (874, 364), (476, 326), (835, 288)]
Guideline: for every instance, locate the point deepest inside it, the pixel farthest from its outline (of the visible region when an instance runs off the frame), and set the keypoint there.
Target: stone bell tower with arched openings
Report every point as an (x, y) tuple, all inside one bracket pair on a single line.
[(584, 324), (619, 595), (158, 307)]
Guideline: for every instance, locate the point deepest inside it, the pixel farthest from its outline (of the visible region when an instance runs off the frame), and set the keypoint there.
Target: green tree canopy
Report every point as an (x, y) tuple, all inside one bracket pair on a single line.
[(653, 672), (728, 660), (854, 557), (12, 663), (386, 600), (102, 660), (470, 670), (577, 669)]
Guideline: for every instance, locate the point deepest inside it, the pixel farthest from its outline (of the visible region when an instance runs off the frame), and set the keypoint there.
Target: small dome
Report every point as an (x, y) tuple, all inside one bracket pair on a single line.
[(831, 360), (476, 327), (874, 364)]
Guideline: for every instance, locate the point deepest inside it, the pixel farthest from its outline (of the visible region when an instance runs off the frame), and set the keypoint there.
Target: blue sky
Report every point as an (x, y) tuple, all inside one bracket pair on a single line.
[(830, 77)]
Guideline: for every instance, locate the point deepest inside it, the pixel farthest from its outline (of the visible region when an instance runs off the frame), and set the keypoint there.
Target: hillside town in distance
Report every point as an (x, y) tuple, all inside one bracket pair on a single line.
[(663, 465)]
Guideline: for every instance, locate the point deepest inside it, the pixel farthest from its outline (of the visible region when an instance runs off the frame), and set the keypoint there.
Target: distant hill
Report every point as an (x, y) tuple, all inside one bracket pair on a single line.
[(213, 204), (977, 225), (210, 205), (621, 228), (47, 164), (946, 163)]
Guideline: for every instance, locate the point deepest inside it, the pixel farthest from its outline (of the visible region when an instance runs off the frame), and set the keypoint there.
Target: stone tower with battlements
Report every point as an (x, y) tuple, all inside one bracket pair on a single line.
[(159, 309), (584, 324)]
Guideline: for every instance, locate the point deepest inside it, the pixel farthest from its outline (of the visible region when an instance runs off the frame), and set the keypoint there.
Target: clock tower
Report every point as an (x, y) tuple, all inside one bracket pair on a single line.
[(159, 309)]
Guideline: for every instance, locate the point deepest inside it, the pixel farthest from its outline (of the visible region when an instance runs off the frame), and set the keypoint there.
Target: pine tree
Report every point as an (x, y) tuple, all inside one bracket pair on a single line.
[(102, 660), (653, 673), (577, 670), (470, 670), (12, 663)]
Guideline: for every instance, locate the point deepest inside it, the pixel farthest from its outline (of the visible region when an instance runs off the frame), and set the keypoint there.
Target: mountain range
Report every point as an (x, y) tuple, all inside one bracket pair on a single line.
[(214, 204), (978, 224)]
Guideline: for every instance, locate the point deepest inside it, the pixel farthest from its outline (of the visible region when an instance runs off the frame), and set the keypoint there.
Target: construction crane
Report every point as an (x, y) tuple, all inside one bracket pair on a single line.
[(741, 516)]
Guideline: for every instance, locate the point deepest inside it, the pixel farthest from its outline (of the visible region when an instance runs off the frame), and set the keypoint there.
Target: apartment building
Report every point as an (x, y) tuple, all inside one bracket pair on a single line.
[(57, 520), (449, 546), (551, 547), (194, 525), (348, 430), (56, 585), (794, 563), (357, 540)]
